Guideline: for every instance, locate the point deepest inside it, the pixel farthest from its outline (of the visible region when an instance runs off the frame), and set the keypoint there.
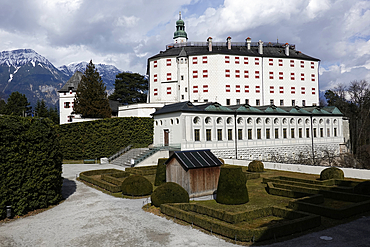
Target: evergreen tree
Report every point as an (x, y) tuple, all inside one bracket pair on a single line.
[(53, 114), (41, 110), (130, 88), (17, 105), (2, 106), (91, 100)]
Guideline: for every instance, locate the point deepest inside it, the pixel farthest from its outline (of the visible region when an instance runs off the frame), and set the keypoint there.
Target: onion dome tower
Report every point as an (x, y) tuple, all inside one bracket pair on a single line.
[(180, 35)]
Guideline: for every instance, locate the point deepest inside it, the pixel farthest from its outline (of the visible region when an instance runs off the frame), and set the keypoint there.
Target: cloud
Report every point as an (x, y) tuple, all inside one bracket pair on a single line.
[(125, 33)]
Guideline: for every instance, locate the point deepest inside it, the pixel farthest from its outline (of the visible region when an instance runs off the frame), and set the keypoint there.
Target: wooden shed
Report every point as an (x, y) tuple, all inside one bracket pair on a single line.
[(197, 171)]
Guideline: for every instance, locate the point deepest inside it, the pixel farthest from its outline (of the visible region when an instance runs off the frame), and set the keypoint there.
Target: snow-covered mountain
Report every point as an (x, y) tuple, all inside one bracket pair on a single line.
[(29, 73), (107, 72)]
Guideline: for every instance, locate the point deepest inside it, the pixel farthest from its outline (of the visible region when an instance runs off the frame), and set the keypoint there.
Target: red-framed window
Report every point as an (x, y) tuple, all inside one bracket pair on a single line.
[(271, 75), (227, 59), (313, 77), (67, 105), (246, 88), (271, 89), (280, 62), (292, 90), (227, 88), (302, 76), (281, 76), (246, 61), (303, 90), (205, 59), (155, 64), (313, 90), (195, 73), (237, 88), (257, 74), (195, 89), (291, 63), (271, 61), (236, 60), (302, 64), (168, 90), (205, 73), (281, 89), (237, 73), (155, 91), (169, 77), (258, 89), (195, 60), (168, 61), (155, 78), (256, 61), (312, 65), (205, 88), (246, 74), (292, 76), (227, 73)]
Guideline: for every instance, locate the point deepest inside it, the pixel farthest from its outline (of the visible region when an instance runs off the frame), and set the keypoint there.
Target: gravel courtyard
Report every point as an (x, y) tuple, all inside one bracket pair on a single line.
[(91, 218)]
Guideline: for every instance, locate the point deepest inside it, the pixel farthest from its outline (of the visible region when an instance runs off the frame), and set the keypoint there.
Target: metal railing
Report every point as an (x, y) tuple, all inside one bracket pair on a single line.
[(224, 44)]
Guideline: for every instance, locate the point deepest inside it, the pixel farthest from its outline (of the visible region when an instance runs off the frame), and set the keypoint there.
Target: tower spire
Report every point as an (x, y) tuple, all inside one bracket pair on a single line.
[(180, 35)]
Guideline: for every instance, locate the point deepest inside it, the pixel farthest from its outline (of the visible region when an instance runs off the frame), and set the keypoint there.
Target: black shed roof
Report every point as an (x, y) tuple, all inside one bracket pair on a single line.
[(195, 159)]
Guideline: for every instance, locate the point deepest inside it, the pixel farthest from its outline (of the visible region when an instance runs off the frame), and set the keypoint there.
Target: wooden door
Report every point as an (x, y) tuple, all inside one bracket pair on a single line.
[(166, 137)]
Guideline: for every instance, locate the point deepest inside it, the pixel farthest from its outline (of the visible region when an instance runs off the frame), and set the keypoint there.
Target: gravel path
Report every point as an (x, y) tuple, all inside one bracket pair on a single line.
[(89, 217)]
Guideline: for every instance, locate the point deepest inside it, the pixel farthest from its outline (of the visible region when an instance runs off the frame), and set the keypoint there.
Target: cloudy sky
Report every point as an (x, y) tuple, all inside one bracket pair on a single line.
[(125, 33)]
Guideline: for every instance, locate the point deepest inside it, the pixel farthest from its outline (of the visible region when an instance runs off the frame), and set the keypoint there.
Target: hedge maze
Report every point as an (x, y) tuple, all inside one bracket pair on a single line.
[(112, 179), (332, 198)]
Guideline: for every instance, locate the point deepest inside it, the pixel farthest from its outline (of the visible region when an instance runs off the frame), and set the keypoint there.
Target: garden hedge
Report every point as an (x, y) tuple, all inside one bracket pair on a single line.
[(363, 188), (136, 185), (231, 188), (30, 164), (299, 222), (160, 177), (169, 193), (332, 173), (103, 138), (143, 170)]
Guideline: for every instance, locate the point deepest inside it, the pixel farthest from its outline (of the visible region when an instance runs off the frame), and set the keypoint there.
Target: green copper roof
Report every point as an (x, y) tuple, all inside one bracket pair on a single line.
[(180, 29), (216, 107), (274, 109), (247, 108)]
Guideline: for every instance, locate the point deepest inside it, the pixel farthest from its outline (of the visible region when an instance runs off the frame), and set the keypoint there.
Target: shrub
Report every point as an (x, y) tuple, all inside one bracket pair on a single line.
[(331, 173), (223, 162), (160, 176), (30, 164), (103, 138), (363, 188), (232, 189), (136, 185), (255, 166), (169, 193)]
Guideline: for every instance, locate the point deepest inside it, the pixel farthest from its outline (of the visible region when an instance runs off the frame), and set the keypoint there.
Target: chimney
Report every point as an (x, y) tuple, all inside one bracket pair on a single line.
[(287, 49), (260, 47), (209, 43), (228, 43), (249, 43)]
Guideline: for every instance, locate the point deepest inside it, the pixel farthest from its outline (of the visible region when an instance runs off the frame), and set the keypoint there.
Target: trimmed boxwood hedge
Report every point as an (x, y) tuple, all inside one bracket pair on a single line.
[(363, 188), (136, 185), (255, 166), (231, 188), (103, 138), (332, 173), (169, 193), (30, 164), (160, 177)]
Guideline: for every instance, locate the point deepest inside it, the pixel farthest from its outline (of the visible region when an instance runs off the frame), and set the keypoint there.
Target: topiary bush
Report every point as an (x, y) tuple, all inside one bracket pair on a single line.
[(256, 166), (160, 177), (331, 173), (169, 193), (136, 185), (231, 188), (363, 188)]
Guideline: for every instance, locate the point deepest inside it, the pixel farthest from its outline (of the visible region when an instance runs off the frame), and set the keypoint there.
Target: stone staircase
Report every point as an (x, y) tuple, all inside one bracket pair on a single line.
[(136, 154)]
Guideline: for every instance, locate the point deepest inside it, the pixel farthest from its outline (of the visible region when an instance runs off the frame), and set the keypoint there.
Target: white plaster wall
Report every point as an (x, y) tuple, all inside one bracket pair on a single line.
[(348, 172), (65, 112)]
